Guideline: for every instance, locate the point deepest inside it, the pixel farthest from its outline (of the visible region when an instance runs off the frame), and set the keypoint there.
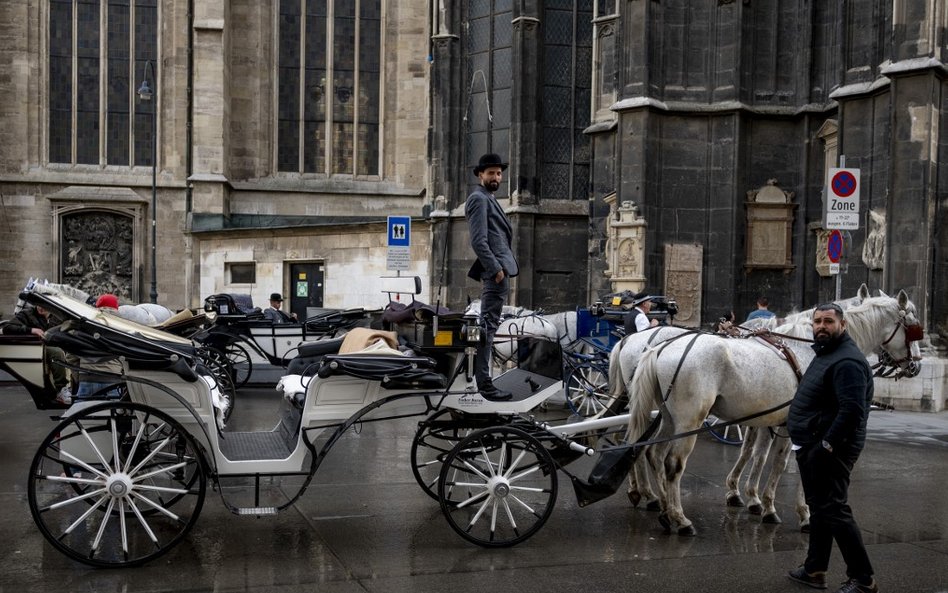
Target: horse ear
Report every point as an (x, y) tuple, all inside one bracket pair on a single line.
[(863, 293), (903, 299), (882, 293)]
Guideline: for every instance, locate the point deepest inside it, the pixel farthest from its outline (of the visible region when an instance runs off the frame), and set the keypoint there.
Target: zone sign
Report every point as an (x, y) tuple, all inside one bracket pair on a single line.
[(842, 204)]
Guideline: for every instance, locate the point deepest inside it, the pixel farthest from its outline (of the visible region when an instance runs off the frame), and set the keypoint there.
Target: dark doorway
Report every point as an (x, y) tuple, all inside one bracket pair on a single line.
[(306, 289)]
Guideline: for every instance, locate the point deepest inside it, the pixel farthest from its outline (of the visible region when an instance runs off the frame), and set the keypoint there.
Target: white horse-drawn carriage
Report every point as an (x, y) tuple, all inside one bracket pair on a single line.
[(118, 483)]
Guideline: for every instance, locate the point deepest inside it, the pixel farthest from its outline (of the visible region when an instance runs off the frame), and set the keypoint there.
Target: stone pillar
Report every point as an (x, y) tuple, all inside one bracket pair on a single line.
[(625, 246), (211, 105), (525, 104), (446, 108)]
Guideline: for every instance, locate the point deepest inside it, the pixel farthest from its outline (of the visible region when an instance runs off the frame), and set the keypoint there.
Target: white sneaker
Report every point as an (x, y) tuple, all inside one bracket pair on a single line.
[(64, 396)]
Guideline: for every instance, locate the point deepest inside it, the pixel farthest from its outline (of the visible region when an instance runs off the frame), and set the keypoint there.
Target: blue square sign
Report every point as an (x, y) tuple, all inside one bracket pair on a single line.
[(399, 231)]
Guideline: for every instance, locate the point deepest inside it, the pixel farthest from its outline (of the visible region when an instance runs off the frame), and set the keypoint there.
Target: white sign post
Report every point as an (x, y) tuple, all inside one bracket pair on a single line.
[(842, 199), (399, 243)]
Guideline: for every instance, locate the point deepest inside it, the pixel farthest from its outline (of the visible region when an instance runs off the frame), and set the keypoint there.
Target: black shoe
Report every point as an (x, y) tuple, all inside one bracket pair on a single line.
[(491, 393), (817, 580), (854, 586)]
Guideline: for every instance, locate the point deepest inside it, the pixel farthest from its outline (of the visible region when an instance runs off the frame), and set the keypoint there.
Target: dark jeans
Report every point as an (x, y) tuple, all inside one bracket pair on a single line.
[(825, 478), (493, 296)]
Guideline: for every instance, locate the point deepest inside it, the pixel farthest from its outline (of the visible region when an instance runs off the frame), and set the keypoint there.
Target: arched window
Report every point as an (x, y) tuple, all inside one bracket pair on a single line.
[(328, 92), (94, 115)]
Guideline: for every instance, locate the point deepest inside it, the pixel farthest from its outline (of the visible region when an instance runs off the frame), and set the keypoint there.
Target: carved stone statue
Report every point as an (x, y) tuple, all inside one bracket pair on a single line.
[(873, 250), (625, 246)]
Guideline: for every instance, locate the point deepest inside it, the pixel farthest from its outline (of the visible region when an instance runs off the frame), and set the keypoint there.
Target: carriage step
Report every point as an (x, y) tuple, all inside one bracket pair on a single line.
[(256, 511)]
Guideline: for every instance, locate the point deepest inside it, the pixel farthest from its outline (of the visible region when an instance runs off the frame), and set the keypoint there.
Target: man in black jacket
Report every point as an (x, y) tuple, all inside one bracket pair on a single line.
[(827, 421)]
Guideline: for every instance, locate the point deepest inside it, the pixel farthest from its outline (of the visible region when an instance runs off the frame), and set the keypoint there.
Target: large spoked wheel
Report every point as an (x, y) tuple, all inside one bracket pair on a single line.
[(241, 366), (436, 436), (729, 435), (117, 484), (587, 391), (497, 487)]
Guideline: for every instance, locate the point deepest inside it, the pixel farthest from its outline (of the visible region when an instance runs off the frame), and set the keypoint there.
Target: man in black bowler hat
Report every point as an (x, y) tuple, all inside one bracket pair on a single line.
[(274, 313), (491, 237)]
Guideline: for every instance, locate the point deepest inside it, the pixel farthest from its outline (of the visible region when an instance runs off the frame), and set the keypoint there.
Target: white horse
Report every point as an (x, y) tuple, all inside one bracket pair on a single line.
[(736, 379), (552, 327), (756, 445)]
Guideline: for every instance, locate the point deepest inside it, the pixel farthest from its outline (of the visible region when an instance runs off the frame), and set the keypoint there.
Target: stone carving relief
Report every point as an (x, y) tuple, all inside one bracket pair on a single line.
[(769, 228), (97, 252), (873, 250), (683, 268), (625, 246)]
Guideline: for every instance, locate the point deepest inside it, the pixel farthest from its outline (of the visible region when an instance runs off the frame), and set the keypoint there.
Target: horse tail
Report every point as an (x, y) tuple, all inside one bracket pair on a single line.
[(644, 394), (616, 380)]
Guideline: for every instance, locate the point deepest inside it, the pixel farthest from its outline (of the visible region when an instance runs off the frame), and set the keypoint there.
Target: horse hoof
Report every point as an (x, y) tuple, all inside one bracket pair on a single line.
[(653, 505), (771, 518), (688, 531), (805, 528), (755, 509), (635, 498), (735, 501)]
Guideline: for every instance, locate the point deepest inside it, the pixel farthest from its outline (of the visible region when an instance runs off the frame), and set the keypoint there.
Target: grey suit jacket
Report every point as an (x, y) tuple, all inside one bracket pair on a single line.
[(491, 236)]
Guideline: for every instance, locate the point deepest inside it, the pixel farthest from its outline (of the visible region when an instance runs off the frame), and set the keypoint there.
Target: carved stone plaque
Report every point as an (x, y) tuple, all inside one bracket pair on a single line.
[(97, 253), (769, 228), (683, 265)]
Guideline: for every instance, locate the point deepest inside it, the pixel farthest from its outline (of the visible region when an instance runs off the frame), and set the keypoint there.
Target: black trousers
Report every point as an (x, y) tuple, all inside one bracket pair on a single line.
[(825, 478), (493, 296)]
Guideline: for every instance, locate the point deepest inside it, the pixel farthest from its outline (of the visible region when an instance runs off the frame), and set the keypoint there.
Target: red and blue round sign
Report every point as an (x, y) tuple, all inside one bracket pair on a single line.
[(834, 246), (844, 184)]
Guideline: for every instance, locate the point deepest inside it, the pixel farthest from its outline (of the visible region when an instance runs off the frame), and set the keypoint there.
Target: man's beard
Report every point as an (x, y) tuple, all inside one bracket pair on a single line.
[(492, 186), (825, 337)]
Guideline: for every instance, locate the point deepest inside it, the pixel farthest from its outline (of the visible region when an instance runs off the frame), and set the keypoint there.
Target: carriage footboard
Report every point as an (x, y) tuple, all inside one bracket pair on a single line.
[(279, 443)]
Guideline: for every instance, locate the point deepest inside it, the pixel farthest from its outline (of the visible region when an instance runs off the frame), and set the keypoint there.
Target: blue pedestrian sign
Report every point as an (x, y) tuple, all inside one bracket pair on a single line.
[(399, 231)]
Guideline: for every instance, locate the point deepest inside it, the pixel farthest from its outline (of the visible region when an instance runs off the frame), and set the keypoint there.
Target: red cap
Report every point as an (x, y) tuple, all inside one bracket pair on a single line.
[(107, 301)]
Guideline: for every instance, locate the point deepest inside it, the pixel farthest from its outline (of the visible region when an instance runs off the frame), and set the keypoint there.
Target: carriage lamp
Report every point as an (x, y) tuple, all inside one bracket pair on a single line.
[(472, 333)]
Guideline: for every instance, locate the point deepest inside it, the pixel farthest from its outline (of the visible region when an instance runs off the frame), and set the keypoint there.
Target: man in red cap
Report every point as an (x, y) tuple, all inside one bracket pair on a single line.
[(97, 379)]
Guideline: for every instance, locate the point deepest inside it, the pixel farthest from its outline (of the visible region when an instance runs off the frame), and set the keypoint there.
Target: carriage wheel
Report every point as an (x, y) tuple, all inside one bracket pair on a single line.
[(587, 391), (437, 435), (729, 435), (240, 364), (497, 487), (116, 484), (223, 375)]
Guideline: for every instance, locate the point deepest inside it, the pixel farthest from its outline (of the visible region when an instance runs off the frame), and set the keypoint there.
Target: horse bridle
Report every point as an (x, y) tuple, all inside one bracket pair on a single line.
[(908, 366)]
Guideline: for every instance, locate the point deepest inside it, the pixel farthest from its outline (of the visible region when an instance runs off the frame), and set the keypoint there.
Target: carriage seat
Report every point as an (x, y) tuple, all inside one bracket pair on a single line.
[(310, 353), (394, 372)]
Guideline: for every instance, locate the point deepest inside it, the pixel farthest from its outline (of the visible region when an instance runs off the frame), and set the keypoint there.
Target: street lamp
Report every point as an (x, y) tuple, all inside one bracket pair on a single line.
[(145, 94)]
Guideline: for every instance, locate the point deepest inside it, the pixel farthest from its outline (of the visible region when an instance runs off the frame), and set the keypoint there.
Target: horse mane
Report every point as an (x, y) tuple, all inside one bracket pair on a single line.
[(862, 318)]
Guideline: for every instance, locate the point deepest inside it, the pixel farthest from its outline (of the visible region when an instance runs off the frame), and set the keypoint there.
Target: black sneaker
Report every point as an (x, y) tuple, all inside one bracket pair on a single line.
[(854, 586), (817, 580)]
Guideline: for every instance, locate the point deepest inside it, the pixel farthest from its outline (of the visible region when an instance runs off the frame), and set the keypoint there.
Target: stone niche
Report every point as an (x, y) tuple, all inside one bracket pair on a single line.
[(625, 246), (770, 213)]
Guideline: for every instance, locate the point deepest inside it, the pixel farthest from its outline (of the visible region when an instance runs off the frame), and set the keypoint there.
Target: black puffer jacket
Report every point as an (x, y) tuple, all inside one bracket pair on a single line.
[(832, 401)]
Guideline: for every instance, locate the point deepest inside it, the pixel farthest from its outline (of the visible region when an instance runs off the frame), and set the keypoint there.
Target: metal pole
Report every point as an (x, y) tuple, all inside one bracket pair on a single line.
[(154, 188), (839, 274)]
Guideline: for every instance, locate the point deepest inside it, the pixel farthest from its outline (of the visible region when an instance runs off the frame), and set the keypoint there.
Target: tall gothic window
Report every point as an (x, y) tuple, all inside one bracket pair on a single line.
[(328, 93), (489, 79), (567, 72), (95, 117)]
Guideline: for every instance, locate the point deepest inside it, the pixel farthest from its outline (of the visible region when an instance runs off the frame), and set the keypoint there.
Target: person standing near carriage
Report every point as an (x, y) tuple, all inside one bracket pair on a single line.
[(491, 239), (827, 421), (37, 321), (637, 319)]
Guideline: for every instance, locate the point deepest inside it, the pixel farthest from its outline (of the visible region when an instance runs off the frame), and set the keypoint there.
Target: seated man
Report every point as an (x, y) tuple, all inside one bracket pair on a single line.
[(274, 314), (35, 321), (96, 378)]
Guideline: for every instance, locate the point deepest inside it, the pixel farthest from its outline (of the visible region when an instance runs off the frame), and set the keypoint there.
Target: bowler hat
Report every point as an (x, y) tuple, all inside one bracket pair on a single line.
[(641, 297), (276, 297), (490, 160)]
